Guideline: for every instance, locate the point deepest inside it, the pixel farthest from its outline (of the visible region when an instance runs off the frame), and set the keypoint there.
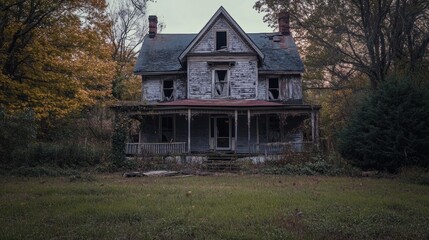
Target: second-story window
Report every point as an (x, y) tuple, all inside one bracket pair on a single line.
[(167, 90), (273, 89), (221, 88), (221, 40)]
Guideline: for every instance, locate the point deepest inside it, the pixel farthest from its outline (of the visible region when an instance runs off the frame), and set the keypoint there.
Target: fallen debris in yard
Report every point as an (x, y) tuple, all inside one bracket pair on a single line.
[(161, 173), (132, 174)]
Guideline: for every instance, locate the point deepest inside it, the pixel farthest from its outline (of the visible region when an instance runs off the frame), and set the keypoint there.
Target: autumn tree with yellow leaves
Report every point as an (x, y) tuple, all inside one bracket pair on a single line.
[(54, 57)]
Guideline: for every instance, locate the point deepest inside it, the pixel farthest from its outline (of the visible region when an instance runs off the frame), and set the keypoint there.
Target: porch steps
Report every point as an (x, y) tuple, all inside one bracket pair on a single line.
[(221, 163)]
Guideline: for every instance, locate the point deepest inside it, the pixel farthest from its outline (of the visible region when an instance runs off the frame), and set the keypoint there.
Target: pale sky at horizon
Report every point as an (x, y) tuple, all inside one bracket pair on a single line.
[(190, 16)]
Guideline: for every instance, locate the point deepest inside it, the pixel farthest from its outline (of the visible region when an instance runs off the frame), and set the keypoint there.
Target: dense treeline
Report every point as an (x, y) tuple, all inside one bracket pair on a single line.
[(368, 65), (61, 64)]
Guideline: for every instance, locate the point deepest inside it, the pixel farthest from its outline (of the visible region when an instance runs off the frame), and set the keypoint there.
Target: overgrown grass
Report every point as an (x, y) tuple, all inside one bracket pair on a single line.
[(215, 207)]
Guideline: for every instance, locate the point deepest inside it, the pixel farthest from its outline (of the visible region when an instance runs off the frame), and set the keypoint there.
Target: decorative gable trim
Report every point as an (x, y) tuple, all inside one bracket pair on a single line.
[(206, 28)]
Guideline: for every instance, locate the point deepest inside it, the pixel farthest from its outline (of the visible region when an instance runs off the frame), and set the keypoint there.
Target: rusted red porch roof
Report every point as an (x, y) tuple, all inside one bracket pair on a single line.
[(221, 103)]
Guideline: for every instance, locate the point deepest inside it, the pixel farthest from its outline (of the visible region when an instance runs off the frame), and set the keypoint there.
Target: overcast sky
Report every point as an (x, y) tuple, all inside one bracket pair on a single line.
[(190, 16)]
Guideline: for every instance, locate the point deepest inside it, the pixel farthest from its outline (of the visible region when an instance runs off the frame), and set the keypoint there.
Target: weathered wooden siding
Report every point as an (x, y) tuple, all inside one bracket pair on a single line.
[(199, 80), (262, 88), (180, 88), (296, 85), (208, 42), (243, 79), (290, 87), (152, 87)]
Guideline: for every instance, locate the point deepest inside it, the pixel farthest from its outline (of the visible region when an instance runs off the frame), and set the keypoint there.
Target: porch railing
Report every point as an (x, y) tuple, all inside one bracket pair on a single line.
[(155, 148), (281, 147)]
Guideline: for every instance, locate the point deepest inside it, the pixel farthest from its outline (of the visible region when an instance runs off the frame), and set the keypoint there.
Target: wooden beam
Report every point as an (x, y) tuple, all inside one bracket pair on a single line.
[(248, 129), (189, 130), (257, 133)]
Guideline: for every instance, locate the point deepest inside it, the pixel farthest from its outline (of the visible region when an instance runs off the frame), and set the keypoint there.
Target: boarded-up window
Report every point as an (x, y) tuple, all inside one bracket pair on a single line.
[(167, 129), (221, 87), (273, 89), (168, 90), (221, 42)]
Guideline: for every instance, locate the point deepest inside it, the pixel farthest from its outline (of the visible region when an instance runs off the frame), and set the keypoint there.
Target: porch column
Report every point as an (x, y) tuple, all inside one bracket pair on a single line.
[(257, 133), (235, 129), (248, 129), (189, 130)]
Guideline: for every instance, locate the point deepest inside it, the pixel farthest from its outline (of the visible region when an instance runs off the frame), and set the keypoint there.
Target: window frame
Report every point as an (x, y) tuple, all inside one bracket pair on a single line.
[(269, 89), (173, 94), (222, 48), (227, 83)]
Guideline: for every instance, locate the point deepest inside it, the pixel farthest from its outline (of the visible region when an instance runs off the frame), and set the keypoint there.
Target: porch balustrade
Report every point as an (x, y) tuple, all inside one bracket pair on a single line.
[(155, 148), (281, 147)]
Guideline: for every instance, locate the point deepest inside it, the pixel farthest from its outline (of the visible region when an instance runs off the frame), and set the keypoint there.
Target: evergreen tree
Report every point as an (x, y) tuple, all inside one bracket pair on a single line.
[(390, 129)]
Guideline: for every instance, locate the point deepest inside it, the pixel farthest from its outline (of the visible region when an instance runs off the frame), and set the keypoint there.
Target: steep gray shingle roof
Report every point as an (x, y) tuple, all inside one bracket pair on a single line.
[(161, 54)]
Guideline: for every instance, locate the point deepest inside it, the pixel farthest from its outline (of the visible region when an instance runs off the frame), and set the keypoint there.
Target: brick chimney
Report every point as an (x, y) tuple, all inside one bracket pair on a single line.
[(284, 28), (153, 26)]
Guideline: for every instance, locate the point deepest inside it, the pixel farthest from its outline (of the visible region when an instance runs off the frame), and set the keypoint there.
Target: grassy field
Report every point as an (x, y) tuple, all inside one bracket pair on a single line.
[(213, 207)]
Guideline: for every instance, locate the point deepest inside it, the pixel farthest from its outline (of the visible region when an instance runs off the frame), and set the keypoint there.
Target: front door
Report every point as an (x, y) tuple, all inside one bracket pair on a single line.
[(222, 133)]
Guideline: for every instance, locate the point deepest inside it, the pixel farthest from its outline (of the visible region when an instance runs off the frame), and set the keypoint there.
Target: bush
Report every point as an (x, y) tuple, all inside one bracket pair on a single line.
[(319, 164), (64, 155), (42, 172), (415, 175), (17, 132), (390, 129)]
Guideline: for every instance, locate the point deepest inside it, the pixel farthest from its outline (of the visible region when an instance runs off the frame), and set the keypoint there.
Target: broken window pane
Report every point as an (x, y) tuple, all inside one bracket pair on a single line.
[(168, 90), (221, 42), (273, 89), (221, 83)]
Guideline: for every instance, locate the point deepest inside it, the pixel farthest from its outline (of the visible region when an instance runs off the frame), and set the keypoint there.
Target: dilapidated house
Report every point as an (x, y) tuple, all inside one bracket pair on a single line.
[(221, 90)]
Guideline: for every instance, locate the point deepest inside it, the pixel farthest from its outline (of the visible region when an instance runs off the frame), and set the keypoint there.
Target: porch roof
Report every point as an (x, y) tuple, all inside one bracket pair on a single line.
[(220, 103), (210, 105)]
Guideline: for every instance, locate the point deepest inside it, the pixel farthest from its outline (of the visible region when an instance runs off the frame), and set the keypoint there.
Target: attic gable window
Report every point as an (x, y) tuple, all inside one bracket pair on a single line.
[(221, 40), (273, 89), (221, 88), (167, 90)]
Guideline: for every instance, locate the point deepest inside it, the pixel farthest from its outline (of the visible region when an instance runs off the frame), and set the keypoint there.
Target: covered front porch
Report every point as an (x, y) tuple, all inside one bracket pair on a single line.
[(253, 127)]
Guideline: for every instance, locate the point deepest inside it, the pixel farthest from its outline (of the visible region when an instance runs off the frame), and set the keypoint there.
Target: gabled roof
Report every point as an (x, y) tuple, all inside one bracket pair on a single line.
[(160, 54), (206, 28)]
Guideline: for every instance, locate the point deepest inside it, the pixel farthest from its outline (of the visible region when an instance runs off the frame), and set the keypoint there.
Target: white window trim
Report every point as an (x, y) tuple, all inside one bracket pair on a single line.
[(162, 89), (227, 40), (228, 82), (267, 81)]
